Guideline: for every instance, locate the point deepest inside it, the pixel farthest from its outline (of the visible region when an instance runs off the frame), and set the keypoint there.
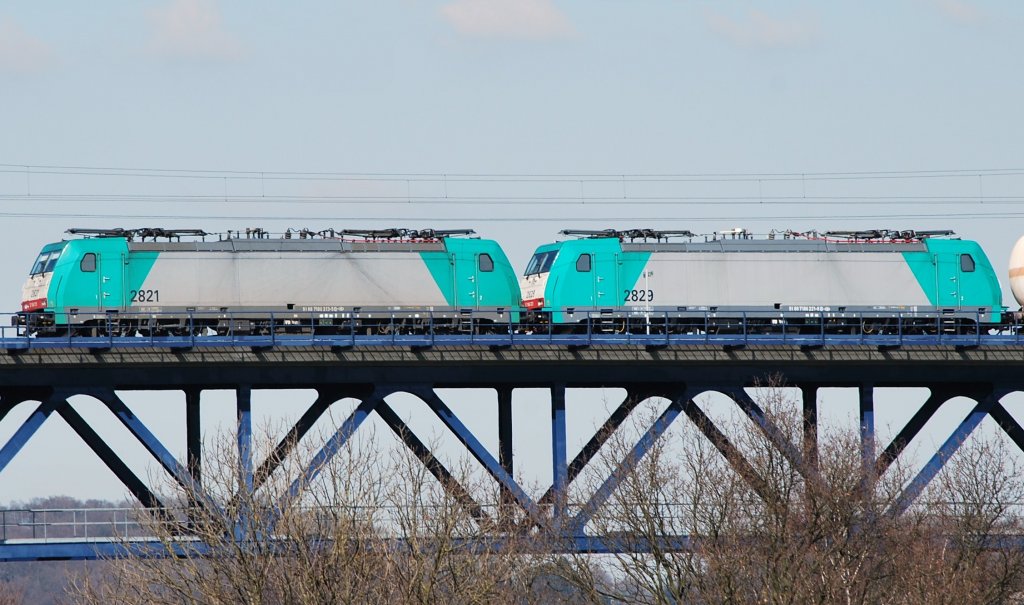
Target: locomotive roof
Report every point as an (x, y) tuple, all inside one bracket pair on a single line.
[(741, 240), (775, 245), (289, 245)]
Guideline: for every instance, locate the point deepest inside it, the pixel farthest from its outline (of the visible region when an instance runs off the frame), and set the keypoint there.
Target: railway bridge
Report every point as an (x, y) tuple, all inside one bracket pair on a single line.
[(45, 373)]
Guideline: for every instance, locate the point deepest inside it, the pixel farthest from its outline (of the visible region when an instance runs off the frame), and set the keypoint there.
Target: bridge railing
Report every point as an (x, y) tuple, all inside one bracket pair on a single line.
[(91, 524), (62, 524), (580, 328)]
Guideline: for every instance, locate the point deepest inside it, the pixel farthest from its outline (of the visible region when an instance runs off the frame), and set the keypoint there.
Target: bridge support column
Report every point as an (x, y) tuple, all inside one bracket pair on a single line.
[(809, 393), (243, 399), (505, 448), (193, 435), (559, 456), (244, 406), (867, 428)]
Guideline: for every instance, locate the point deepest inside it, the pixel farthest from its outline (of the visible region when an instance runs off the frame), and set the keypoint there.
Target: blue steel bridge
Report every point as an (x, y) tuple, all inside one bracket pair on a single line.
[(985, 365)]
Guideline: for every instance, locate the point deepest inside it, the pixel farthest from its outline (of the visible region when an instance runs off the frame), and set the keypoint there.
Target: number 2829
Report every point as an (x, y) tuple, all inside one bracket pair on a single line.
[(638, 296)]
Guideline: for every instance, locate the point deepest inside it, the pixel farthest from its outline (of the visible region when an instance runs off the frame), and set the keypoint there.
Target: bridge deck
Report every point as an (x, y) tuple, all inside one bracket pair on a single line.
[(523, 359)]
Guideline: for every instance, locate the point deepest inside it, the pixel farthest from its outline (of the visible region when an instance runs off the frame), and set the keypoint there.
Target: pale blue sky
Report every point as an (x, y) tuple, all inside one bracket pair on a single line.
[(483, 87)]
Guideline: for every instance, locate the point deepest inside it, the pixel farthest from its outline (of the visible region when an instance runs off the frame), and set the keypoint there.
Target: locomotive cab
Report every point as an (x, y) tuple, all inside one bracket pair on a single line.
[(536, 276), (71, 282), (35, 291)]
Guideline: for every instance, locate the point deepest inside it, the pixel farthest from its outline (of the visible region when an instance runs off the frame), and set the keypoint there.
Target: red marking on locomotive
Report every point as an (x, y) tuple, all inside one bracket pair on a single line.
[(533, 303), (37, 304)]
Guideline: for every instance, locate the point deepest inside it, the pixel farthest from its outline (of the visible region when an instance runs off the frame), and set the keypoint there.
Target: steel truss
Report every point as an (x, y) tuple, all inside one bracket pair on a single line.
[(550, 510)]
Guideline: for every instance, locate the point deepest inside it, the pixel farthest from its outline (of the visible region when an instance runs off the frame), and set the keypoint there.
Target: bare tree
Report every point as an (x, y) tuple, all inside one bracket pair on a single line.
[(359, 533), (973, 511), (768, 525)]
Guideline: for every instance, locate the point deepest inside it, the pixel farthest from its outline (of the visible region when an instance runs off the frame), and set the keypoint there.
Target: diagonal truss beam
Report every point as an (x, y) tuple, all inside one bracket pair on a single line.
[(632, 400), (477, 450), (918, 484), (1006, 422), (729, 451), (136, 486), (29, 427), (324, 400), (434, 466), (333, 445), (635, 455), (790, 451), (10, 398), (149, 441), (937, 397)]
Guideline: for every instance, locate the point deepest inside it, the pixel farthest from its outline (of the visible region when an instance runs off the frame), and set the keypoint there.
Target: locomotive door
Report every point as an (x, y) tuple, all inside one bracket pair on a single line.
[(465, 278), (103, 282), (111, 276), (947, 277), (606, 287)]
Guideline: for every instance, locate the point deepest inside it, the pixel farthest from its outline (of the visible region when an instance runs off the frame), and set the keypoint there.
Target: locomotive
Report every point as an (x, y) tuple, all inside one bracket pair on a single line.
[(122, 281), (837, 282)]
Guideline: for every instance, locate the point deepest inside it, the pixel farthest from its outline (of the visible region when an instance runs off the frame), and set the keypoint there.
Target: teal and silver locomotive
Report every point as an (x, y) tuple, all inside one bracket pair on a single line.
[(834, 282), (176, 282)]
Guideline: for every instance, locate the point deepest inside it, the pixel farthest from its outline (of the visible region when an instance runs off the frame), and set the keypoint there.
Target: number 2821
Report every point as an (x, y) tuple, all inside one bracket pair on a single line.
[(144, 295)]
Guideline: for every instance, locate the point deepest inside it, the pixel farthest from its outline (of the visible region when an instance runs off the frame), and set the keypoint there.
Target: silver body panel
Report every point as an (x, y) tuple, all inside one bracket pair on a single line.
[(796, 279), (308, 281)]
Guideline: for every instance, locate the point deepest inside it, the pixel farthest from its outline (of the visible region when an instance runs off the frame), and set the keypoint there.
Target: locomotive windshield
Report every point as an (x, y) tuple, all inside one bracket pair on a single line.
[(44, 264), (541, 262)]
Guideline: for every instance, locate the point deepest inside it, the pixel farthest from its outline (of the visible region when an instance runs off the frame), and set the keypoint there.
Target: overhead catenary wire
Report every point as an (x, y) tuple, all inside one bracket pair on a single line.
[(49, 198), (519, 219), (445, 177), (505, 200)]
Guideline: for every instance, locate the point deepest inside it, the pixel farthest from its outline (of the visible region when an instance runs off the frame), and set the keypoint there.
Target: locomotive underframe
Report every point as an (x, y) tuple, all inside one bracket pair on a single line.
[(747, 320), (184, 322), (382, 321)]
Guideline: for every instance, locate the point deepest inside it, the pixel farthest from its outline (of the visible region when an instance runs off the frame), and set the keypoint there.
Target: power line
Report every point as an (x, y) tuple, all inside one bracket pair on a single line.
[(497, 177), (505, 200), (492, 219)]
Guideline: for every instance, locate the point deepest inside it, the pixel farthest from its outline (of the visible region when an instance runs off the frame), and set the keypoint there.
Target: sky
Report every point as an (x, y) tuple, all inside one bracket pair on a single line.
[(516, 118)]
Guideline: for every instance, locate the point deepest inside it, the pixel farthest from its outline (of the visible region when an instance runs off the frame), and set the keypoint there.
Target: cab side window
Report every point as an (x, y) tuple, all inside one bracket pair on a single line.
[(486, 263), (88, 264), (966, 263), (583, 263)]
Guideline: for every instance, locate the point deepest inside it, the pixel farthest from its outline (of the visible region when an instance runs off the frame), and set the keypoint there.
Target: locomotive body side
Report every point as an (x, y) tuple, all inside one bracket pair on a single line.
[(800, 280), (331, 281)]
